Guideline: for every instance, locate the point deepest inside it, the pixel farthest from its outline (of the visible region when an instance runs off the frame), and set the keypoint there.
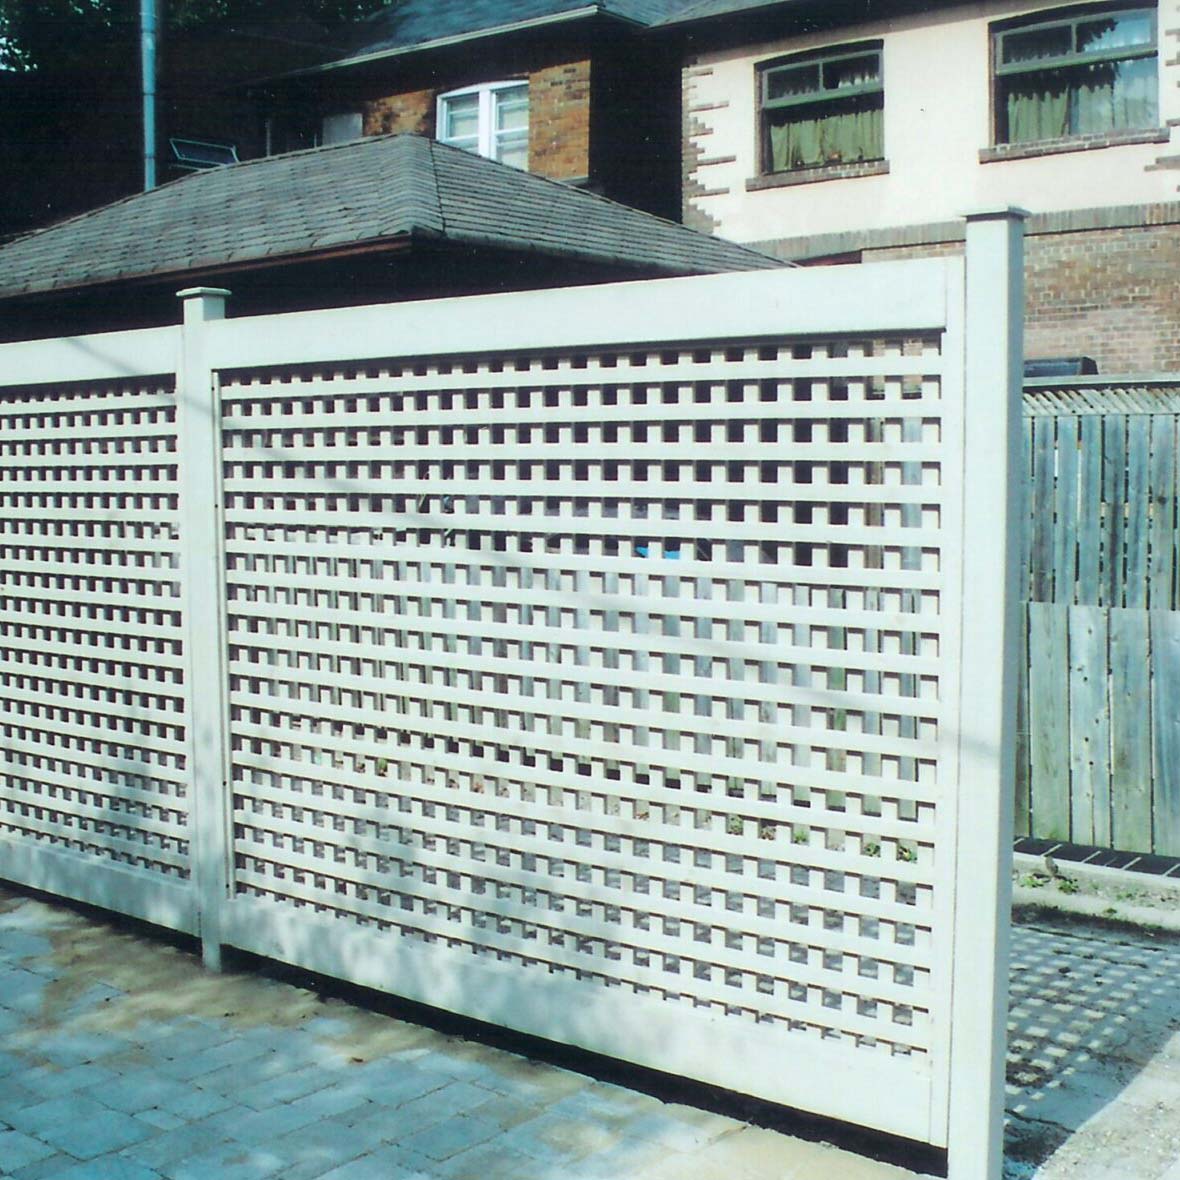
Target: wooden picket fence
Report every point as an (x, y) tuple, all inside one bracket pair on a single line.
[(1099, 757)]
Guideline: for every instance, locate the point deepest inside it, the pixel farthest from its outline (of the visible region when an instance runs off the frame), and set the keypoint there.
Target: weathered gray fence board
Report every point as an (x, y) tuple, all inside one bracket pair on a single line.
[(1161, 560), (1089, 726), (1048, 661), (1089, 513), (1065, 526), (1041, 563), (1138, 507), (1099, 705), (1130, 732), (1023, 813), (1165, 728), (1114, 475)]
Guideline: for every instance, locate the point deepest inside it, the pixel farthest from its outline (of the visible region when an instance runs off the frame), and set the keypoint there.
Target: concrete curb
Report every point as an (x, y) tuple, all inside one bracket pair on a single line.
[(1139, 900)]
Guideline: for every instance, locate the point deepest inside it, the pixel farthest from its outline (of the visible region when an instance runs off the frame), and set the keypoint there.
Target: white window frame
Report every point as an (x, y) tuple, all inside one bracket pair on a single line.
[(487, 136)]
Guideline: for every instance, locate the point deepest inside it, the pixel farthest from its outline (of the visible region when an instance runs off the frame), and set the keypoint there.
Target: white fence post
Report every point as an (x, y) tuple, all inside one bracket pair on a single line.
[(991, 557), (199, 428)]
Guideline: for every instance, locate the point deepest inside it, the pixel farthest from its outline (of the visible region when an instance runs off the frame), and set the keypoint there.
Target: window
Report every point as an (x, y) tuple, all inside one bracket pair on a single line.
[(1089, 74), (341, 128), (491, 120), (194, 155), (822, 109)]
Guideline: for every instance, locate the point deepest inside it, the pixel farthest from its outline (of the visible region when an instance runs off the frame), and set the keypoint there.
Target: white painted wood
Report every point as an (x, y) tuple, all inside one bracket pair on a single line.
[(199, 425), (992, 493), (859, 1087), (602, 643), (104, 357), (891, 296), (163, 902)]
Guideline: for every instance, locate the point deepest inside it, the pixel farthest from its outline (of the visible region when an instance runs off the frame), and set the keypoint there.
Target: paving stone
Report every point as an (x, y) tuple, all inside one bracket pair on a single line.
[(197, 1104), (160, 1120), (52, 1081), (229, 1054), (451, 1136), (78, 1048), (110, 1168), (228, 1161), (97, 1135), (380, 1165), (10, 1063), (490, 1161), (17, 1150), (319, 1147), (283, 1089), (52, 1113), (246, 1125), (46, 1168), (142, 1090), (170, 1147)]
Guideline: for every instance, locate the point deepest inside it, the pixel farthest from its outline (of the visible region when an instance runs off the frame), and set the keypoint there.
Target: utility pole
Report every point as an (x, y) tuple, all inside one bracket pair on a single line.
[(147, 28)]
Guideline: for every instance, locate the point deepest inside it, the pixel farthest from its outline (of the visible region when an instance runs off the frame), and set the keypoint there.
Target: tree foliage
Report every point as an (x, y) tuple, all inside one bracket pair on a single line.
[(44, 35)]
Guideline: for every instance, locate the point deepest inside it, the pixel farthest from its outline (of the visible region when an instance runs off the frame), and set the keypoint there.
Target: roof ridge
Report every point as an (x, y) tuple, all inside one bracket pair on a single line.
[(586, 192), (194, 178)]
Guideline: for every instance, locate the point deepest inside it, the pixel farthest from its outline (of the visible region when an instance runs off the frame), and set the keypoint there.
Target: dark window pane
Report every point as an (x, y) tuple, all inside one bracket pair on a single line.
[(1037, 43), (792, 81), (851, 71)]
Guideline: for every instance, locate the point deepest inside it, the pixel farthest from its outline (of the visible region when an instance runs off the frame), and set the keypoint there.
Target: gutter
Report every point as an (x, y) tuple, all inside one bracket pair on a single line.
[(455, 39)]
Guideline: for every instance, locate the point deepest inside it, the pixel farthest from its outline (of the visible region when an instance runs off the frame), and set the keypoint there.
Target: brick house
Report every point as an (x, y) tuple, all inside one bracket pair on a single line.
[(572, 91), (824, 133)]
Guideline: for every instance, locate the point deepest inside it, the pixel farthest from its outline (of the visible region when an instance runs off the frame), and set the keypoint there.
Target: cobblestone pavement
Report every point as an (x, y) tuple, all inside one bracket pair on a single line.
[(121, 1059), (1093, 1055)]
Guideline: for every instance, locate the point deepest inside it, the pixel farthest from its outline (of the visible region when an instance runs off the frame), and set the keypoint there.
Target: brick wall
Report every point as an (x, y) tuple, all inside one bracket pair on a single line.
[(559, 116), (559, 121), (412, 112), (1111, 294)]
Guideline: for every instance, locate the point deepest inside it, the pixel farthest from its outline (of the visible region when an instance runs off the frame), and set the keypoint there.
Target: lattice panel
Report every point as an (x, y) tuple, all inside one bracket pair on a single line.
[(92, 695), (622, 666)]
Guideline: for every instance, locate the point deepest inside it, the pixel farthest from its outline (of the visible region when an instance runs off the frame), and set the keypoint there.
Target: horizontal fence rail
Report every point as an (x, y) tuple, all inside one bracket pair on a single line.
[(610, 664)]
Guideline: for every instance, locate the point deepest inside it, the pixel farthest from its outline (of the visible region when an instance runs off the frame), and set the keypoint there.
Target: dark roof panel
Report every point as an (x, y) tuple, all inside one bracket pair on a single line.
[(410, 24), (365, 192), (682, 14)]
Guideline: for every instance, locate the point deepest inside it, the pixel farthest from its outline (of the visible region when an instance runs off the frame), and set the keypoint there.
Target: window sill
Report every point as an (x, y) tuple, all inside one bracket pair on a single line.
[(817, 175), (1078, 143)]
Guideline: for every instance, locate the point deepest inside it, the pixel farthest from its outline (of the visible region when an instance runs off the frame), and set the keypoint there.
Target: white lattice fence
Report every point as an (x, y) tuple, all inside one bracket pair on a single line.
[(623, 665), (618, 666), (93, 705)]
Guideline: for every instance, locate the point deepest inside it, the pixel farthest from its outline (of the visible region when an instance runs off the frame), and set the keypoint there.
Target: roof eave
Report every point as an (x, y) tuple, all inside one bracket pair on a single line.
[(685, 21), (575, 14), (391, 244)]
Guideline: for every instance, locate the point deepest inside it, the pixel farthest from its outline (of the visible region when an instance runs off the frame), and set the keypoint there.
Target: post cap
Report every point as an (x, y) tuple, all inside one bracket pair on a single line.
[(997, 213), (202, 304), (198, 292)]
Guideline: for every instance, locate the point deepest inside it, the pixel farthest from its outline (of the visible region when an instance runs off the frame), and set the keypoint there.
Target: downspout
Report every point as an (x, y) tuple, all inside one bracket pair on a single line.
[(147, 25)]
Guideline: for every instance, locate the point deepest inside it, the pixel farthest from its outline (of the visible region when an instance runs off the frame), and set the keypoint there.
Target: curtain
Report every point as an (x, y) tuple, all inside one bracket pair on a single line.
[(840, 138), (1107, 96), (1038, 109)]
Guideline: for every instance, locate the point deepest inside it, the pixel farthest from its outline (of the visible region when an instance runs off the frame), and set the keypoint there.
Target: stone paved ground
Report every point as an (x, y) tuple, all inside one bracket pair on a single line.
[(120, 1059), (1093, 1054)]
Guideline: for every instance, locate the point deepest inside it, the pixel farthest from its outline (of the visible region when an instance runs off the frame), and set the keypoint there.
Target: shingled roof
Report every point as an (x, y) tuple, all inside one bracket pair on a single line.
[(416, 24), (701, 10), (371, 191)]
